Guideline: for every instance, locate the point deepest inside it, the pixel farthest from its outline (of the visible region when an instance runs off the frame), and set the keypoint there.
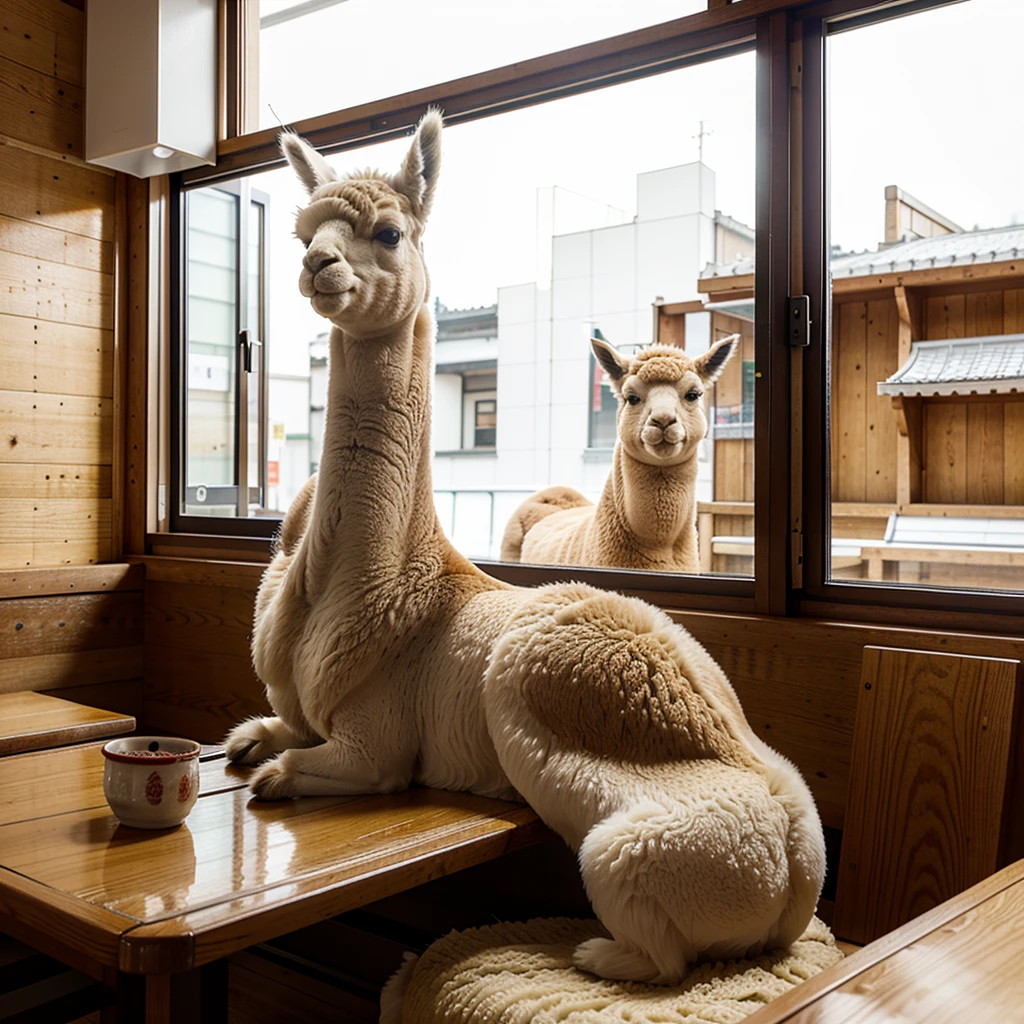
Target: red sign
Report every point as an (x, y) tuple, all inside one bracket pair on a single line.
[(273, 474)]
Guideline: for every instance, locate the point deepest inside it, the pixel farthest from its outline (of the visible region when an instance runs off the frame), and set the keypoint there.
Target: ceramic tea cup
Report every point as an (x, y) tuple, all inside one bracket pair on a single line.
[(151, 781)]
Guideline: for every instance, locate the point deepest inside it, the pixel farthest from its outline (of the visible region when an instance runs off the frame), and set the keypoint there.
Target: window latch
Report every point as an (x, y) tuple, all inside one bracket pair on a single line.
[(798, 320), (247, 343)]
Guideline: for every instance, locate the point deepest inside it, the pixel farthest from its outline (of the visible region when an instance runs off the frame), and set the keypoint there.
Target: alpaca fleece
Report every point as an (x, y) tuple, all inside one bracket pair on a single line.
[(646, 517), (518, 973), (390, 659)]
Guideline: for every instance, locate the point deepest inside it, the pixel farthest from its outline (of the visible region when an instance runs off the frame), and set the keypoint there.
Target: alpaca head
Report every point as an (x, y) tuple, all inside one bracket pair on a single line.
[(661, 417), (363, 269)]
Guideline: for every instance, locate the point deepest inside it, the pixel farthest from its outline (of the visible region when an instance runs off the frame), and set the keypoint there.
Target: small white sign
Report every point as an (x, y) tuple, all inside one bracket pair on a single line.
[(208, 372)]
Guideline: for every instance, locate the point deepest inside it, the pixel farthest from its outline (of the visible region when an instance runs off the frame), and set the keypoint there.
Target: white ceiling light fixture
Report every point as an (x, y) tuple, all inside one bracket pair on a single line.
[(150, 85)]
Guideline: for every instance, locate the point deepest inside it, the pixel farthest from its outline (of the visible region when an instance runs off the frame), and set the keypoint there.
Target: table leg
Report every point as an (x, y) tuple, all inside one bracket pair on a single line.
[(197, 997)]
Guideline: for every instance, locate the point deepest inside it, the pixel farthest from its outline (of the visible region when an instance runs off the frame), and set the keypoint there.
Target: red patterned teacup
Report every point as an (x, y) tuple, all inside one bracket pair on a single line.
[(151, 781)]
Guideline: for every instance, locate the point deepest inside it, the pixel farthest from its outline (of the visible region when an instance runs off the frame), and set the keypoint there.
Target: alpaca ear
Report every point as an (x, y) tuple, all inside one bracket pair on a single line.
[(710, 365), (422, 164), (312, 169), (611, 362)]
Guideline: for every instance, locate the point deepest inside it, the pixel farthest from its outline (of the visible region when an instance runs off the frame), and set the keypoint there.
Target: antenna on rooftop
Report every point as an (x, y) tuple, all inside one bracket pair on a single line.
[(700, 136)]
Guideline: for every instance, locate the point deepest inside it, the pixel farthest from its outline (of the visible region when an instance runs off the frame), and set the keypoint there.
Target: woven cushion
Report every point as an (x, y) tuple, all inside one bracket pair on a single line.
[(511, 973)]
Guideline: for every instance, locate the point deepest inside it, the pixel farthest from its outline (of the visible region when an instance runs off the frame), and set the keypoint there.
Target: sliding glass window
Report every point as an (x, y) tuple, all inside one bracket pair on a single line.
[(926, 222)]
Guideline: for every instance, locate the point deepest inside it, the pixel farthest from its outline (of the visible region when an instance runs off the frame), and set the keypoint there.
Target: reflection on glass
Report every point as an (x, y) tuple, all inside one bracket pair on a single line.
[(555, 243), (427, 44), (927, 338), (211, 330)]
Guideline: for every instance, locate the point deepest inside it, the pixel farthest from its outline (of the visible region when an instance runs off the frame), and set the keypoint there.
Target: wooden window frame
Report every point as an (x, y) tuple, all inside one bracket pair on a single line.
[(791, 412)]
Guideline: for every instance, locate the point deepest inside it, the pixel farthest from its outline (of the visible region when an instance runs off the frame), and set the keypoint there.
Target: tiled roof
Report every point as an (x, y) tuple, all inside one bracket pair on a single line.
[(960, 366), (965, 248), (969, 247)]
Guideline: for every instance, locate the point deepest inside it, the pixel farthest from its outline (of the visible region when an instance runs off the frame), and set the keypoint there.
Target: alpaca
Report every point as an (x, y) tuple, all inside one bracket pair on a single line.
[(390, 659), (647, 515)]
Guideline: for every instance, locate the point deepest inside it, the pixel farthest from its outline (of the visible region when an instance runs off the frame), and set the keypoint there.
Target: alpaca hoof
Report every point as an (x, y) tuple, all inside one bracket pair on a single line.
[(272, 782), (609, 958), (248, 743)]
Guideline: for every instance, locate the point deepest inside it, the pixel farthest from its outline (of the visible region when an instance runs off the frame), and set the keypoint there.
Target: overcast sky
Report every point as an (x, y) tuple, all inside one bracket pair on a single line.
[(930, 103)]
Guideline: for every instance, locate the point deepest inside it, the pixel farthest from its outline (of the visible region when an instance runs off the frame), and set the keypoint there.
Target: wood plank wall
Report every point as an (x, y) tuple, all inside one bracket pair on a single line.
[(56, 300), (68, 622), (972, 449)]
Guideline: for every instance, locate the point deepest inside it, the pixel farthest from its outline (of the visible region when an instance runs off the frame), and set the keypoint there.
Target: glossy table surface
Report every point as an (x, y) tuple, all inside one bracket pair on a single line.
[(32, 721), (236, 872), (960, 962)]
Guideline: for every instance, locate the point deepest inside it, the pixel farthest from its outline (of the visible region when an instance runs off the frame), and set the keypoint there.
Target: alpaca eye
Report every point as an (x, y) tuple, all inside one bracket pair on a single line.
[(633, 399), (692, 396), (389, 237)]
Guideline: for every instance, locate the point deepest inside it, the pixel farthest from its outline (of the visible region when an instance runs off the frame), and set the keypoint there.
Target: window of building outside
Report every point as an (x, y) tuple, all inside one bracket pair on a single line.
[(926, 219), (530, 251)]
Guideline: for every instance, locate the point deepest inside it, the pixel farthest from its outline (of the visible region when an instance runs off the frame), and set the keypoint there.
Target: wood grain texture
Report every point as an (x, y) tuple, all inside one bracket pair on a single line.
[(123, 695), (879, 440), (55, 429), (55, 782), (945, 920), (933, 749), (41, 109), (850, 402), (26, 238), (39, 480), (35, 626), (34, 721), (72, 670), (97, 579), (57, 358), (56, 292), (56, 193)]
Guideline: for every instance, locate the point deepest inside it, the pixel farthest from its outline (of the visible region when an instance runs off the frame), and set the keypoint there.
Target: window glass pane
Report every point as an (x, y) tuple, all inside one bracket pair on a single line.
[(211, 329), (426, 44), (532, 256), (927, 289)]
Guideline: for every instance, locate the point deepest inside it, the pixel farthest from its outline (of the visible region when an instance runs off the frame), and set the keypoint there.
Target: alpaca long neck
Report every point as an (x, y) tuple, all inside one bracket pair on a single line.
[(653, 508), (374, 506)]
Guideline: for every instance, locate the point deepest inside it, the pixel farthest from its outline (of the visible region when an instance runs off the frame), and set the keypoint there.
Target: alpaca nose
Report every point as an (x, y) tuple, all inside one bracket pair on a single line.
[(316, 259), (664, 420)]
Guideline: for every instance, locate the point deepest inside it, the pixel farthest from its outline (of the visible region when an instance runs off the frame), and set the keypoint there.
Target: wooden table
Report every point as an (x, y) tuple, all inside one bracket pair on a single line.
[(960, 962), (32, 721), (151, 913)]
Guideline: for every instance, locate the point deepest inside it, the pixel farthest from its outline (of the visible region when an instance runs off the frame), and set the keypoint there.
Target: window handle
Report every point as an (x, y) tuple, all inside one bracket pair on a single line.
[(247, 343)]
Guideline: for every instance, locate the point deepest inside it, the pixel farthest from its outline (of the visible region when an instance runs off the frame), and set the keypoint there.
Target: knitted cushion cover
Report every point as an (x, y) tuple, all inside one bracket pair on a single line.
[(518, 972)]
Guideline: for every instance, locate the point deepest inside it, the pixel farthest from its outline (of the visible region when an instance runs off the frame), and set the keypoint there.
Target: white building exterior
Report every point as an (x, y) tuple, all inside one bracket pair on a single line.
[(537, 342)]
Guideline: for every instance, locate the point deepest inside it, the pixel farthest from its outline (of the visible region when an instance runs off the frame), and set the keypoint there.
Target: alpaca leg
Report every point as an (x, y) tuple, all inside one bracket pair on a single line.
[(334, 768), (256, 739)]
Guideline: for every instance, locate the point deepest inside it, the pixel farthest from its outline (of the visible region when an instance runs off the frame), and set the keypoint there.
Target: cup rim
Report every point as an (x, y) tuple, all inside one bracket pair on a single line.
[(142, 755)]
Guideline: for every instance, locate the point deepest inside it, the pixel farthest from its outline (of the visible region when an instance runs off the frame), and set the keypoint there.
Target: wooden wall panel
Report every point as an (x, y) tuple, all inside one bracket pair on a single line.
[(198, 669), (944, 454), (86, 647), (933, 756), (41, 73), (985, 453), (57, 233), (880, 433), (849, 402)]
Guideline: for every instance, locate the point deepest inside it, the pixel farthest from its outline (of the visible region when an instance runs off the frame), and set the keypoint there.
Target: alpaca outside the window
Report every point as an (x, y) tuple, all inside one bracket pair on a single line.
[(390, 659), (647, 515)]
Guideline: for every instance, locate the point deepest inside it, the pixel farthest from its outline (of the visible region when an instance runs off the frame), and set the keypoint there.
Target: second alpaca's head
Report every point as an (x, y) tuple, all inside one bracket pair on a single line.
[(661, 417), (363, 269)]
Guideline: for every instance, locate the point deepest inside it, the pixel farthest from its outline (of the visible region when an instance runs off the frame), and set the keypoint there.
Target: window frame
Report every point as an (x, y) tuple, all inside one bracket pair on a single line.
[(792, 521)]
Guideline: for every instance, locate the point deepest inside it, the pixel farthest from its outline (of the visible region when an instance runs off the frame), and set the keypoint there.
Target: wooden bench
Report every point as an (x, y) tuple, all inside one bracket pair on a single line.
[(32, 721), (958, 540)]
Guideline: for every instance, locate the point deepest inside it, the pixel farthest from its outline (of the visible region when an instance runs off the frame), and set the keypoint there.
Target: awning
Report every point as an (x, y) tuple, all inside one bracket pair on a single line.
[(961, 366)]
